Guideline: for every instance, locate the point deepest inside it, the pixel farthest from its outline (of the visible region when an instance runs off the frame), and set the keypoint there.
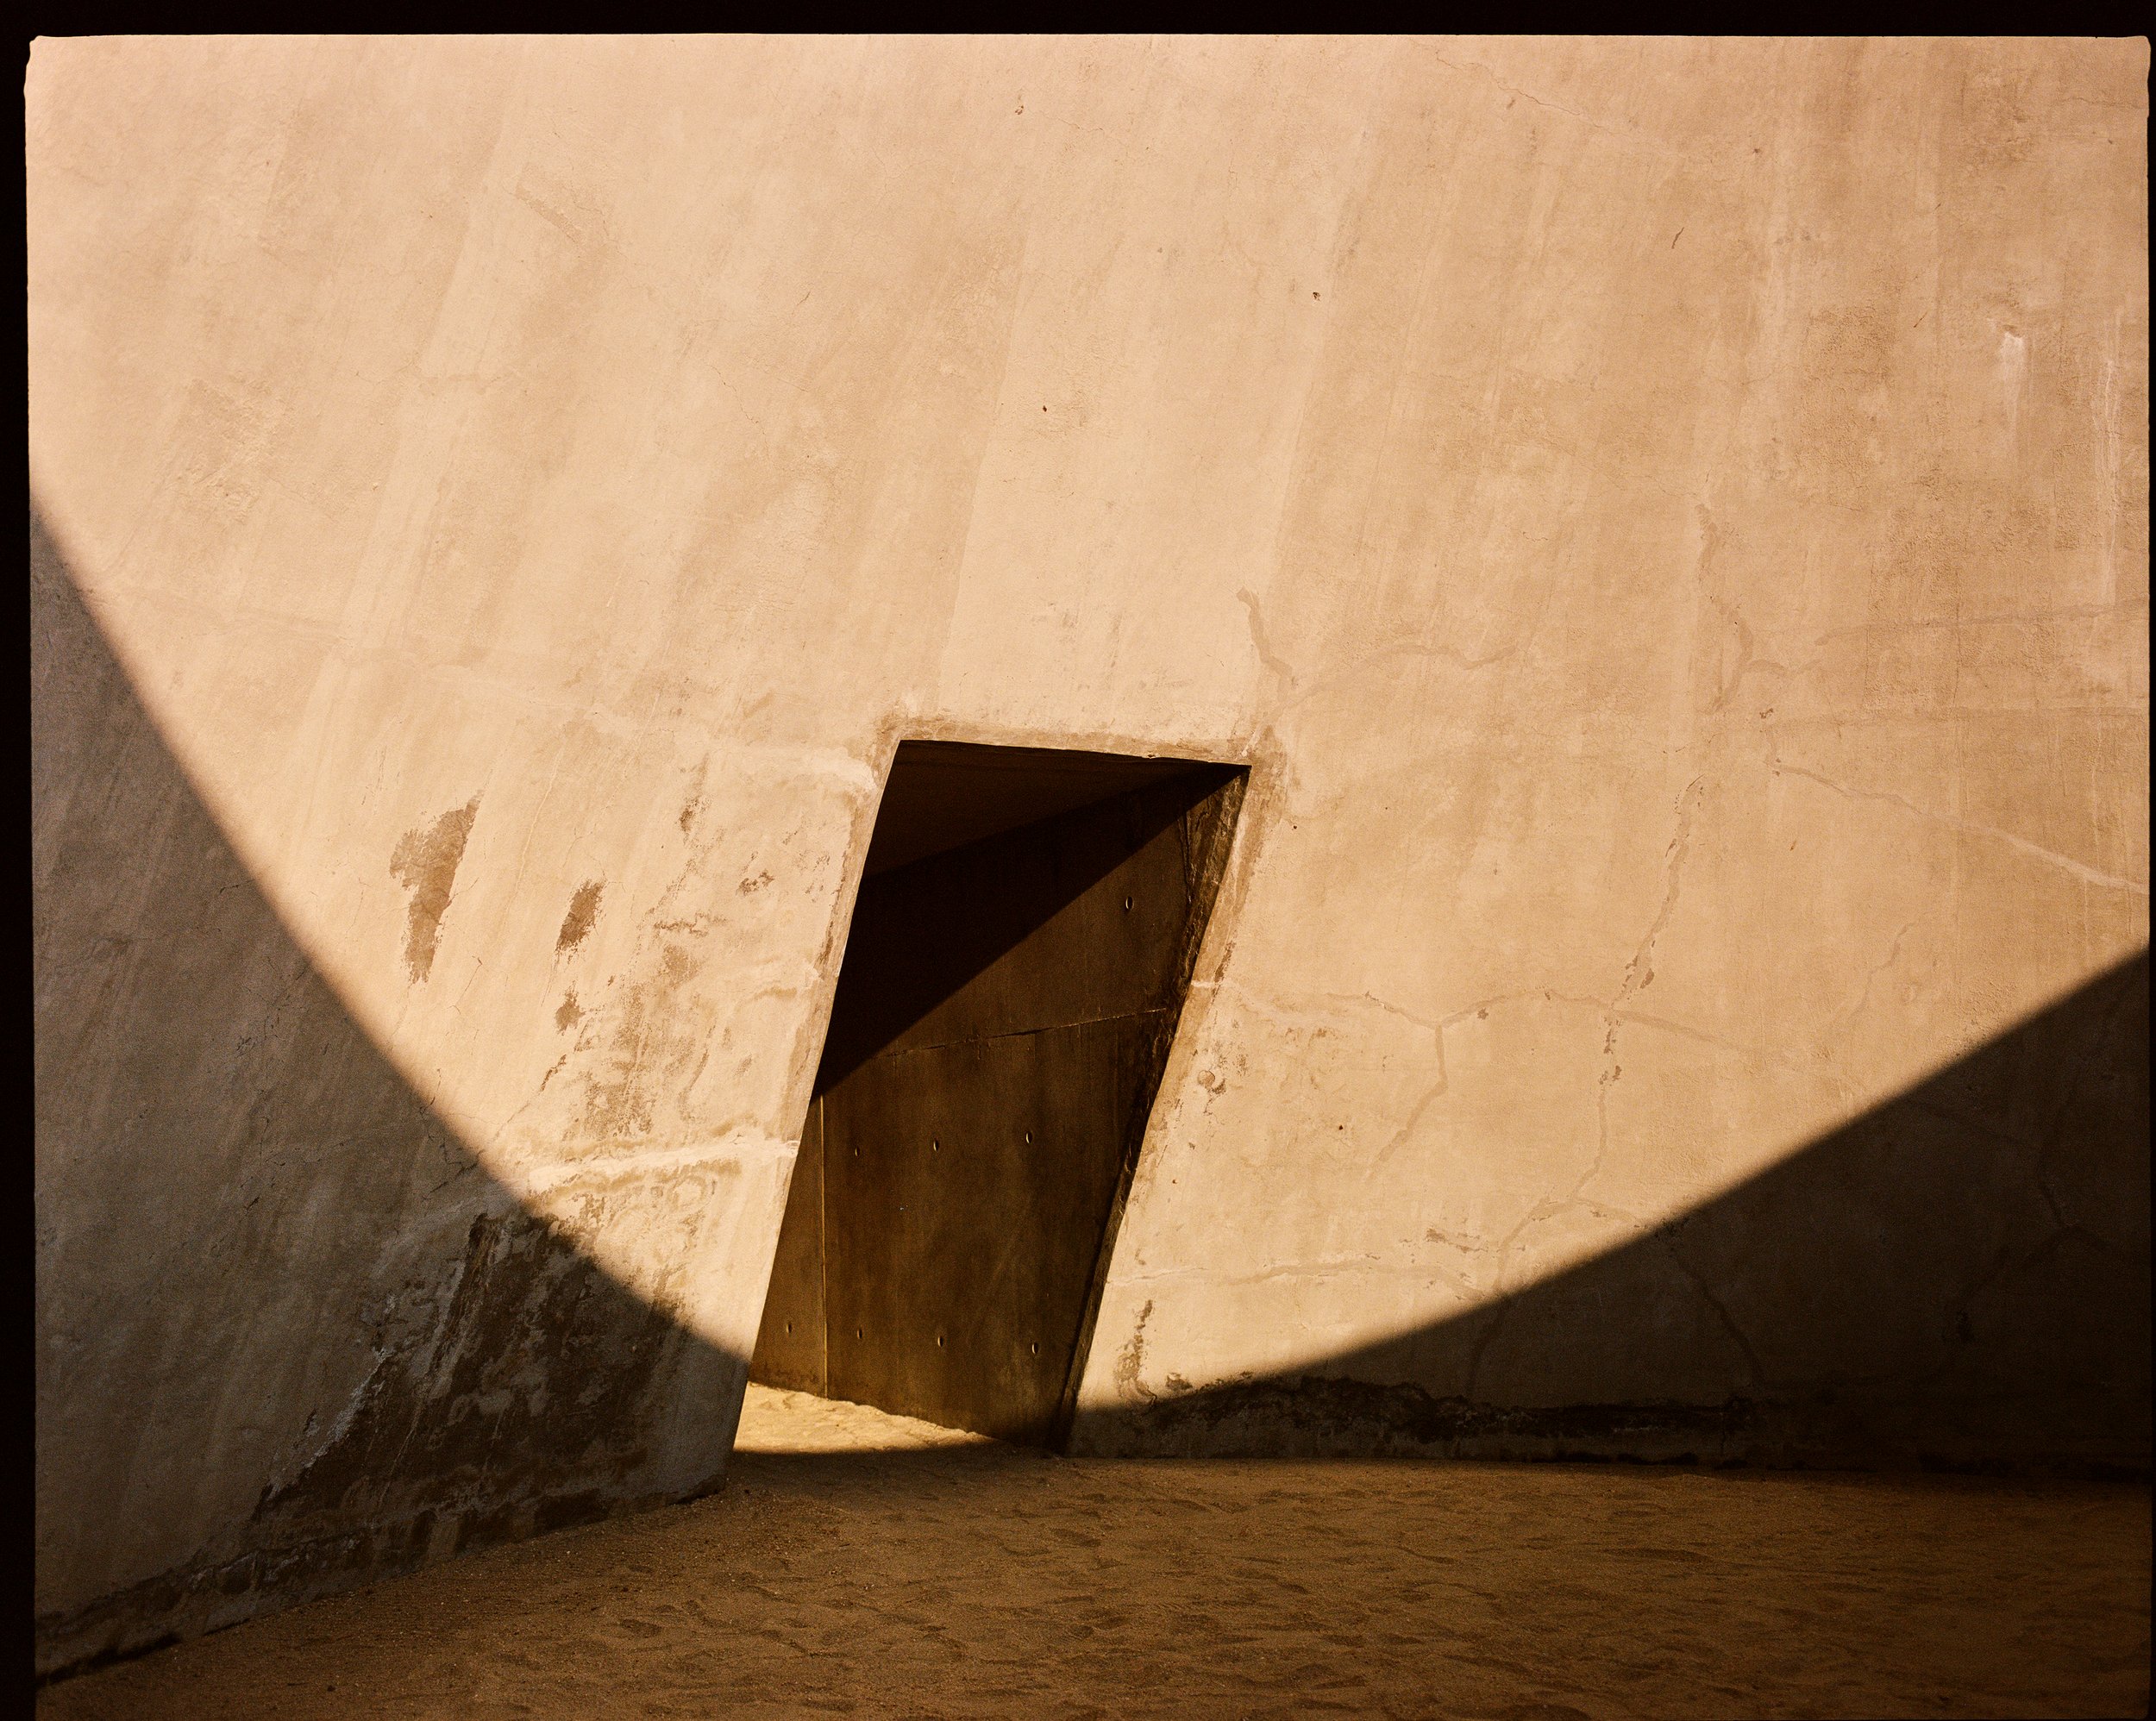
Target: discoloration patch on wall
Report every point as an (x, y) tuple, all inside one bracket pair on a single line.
[(521, 1391), (528, 1374), (425, 863), (363, 1351), (576, 924)]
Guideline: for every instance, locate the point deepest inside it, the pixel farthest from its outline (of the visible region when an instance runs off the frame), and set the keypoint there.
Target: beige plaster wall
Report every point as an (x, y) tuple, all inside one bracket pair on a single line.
[(1665, 520)]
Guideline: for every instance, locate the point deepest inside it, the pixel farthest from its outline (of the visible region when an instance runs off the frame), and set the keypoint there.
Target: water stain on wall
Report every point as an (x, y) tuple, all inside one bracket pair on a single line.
[(326, 1318), (522, 1364), (425, 863), (576, 924)]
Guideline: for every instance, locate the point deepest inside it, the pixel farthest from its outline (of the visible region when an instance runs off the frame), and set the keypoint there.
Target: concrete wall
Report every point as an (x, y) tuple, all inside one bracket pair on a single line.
[(1665, 522), (290, 1331)]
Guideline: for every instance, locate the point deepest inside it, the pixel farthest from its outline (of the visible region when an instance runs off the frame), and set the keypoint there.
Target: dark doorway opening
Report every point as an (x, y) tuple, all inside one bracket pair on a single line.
[(1023, 938)]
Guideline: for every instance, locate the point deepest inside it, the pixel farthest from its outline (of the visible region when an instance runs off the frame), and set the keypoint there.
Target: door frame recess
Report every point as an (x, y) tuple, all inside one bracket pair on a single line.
[(1208, 863), (1040, 787)]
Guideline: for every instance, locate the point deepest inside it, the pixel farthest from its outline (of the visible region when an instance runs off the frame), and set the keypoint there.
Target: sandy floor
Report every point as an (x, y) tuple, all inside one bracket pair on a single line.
[(856, 1564)]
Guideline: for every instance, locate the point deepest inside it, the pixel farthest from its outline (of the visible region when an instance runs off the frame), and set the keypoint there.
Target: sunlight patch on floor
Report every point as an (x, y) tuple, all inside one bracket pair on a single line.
[(775, 1420)]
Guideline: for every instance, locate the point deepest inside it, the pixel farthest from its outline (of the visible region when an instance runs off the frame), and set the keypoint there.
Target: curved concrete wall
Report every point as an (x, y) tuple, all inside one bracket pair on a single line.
[(1665, 522)]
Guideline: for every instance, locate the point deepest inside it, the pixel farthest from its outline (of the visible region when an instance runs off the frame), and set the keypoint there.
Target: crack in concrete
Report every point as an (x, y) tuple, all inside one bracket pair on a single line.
[(2064, 863), (1845, 1019), (1498, 1312), (1321, 1022), (1640, 971), (1350, 672), (1721, 1309), (1273, 663)]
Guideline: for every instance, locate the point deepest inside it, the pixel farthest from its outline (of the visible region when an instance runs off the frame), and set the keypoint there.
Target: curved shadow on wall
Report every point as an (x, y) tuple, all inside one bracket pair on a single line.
[(292, 1336), (1958, 1278)]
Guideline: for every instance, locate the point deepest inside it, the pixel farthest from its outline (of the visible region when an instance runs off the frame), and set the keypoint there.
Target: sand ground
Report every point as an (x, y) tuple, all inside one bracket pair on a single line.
[(859, 1564)]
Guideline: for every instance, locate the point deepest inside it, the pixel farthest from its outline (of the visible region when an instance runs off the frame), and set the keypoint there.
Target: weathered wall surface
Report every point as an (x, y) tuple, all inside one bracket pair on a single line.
[(1665, 521), (290, 1333)]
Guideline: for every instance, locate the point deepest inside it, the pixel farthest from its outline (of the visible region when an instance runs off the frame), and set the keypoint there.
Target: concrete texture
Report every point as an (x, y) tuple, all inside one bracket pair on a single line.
[(1664, 522), (1806, 1316), (470, 1373)]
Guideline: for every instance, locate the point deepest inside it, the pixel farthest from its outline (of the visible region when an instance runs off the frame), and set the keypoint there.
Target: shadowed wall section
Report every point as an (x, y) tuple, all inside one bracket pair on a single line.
[(1959, 1278), (357, 1350), (1664, 518), (1002, 1022)]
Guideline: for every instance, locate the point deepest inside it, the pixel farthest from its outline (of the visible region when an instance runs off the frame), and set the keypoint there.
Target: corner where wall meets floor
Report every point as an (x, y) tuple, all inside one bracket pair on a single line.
[(1659, 524)]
